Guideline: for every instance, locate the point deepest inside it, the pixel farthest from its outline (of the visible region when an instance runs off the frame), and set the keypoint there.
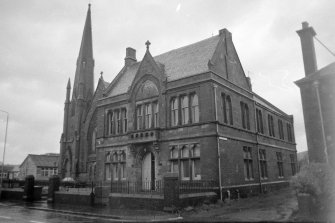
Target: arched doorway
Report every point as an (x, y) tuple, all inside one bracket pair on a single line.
[(148, 171)]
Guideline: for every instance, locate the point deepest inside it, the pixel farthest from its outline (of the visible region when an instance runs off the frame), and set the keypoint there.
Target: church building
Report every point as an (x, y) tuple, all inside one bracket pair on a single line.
[(190, 112)]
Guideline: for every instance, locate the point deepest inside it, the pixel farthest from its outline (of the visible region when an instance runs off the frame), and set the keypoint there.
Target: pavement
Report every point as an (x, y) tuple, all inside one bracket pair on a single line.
[(103, 212), (276, 206)]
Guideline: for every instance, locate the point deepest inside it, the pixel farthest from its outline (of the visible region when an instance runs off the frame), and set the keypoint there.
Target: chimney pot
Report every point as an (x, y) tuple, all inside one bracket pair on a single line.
[(305, 25)]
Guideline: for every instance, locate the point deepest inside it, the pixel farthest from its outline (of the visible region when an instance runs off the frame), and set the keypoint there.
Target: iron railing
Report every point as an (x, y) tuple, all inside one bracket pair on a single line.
[(137, 187), (197, 186)]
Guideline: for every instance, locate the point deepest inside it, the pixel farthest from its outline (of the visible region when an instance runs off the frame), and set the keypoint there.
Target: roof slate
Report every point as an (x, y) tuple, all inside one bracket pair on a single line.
[(45, 160), (179, 63)]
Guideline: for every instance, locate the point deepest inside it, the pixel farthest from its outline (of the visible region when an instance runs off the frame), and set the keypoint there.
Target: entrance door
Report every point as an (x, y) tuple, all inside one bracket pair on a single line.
[(148, 172)]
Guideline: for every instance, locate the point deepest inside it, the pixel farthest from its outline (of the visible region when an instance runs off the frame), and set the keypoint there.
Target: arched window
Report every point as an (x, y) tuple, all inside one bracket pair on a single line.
[(229, 110), (195, 108), (139, 117), (94, 139), (110, 122), (184, 110), (174, 112), (246, 109)]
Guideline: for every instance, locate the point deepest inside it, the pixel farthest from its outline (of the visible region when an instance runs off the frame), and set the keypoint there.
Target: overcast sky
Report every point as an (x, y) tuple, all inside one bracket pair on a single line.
[(40, 40)]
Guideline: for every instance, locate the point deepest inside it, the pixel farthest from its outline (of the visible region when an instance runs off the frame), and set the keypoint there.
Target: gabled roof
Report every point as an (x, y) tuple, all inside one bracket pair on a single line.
[(179, 63), (45, 160), (325, 71)]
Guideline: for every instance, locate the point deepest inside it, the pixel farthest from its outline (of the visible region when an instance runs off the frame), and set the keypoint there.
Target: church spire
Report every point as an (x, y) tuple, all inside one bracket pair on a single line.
[(85, 61)]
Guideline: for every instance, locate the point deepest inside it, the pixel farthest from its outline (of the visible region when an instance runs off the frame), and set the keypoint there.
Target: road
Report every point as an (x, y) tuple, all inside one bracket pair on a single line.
[(13, 213)]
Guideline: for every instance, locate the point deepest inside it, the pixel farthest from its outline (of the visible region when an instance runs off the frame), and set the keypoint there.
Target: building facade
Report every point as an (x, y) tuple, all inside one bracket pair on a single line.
[(318, 101), (40, 166), (190, 112)]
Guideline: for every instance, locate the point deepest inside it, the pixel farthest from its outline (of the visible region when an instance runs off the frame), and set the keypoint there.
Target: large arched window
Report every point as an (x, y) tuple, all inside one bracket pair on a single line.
[(194, 108), (174, 112)]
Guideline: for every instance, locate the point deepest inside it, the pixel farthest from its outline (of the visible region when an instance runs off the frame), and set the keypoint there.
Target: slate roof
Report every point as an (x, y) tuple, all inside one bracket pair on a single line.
[(45, 160), (179, 63)]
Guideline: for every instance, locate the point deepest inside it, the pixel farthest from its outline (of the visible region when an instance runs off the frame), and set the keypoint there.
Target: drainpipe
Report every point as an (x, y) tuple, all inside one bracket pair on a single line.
[(257, 146), (218, 141), (316, 85)]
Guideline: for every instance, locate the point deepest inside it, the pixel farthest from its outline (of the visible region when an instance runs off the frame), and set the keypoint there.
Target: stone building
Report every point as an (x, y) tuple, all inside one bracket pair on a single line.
[(190, 111), (40, 166), (318, 101)]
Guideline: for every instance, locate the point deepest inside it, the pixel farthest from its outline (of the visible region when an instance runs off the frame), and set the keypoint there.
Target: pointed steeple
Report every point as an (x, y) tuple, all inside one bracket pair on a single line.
[(85, 61), (68, 90)]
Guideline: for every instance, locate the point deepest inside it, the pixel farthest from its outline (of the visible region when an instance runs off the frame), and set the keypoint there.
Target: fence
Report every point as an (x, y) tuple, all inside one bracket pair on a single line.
[(133, 187), (197, 186)]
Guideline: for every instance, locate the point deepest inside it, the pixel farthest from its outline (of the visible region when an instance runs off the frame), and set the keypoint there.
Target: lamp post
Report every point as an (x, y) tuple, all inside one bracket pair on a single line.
[(4, 147)]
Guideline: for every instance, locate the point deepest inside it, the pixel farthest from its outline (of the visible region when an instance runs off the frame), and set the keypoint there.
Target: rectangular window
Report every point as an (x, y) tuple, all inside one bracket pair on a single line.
[(289, 132), (280, 164), (184, 110), (110, 122), (293, 164), (263, 164), (248, 168), (259, 118), (139, 117), (280, 129), (118, 125), (123, 170), (271, 126), (185, 163), (195, 152), (148, 112), (174, 112), (107, 171), (242, 115), (156, 120), (174, 159), (124, 121), (115, 171)]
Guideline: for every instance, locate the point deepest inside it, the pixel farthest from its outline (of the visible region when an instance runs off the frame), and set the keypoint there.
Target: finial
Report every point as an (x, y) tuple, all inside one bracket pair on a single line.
[(89, 5), (101, 72), (148, 44)]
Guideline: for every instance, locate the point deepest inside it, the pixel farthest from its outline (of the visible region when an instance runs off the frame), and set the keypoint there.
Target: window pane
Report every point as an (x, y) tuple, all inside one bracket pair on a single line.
[(185, 169), (196, 169)]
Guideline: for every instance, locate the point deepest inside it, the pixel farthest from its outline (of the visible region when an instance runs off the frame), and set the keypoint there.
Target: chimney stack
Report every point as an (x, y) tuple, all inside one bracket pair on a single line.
[(306, 35), (130, 56)]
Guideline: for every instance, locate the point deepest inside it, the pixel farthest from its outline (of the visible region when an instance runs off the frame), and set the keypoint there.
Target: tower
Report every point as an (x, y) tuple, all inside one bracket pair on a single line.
[(75, 109)]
